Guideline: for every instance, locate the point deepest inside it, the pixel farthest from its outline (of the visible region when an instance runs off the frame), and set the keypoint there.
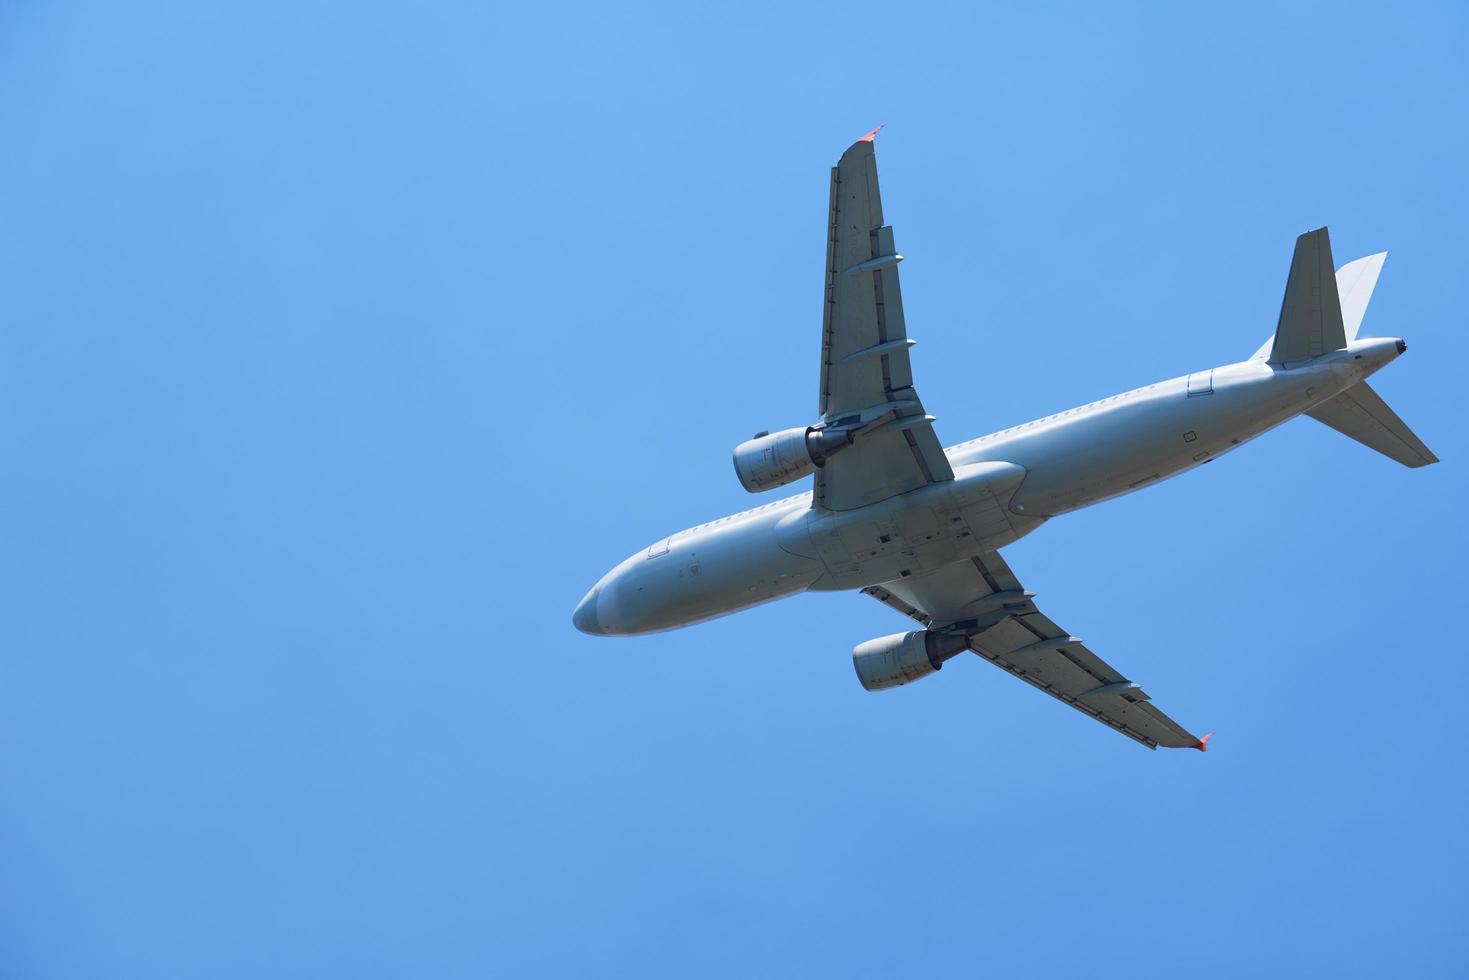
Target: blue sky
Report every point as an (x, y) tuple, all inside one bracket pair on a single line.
[(343, 347)]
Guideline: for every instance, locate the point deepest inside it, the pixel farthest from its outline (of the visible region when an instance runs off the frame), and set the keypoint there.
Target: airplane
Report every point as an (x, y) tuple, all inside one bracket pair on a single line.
[(920, 528)]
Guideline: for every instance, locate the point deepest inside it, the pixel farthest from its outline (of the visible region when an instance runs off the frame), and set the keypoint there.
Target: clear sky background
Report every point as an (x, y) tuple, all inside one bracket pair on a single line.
[(342, 348)]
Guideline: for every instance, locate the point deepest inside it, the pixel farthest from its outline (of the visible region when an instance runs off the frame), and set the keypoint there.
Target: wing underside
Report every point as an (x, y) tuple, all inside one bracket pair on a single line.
[(1023, 642), (866, 373)]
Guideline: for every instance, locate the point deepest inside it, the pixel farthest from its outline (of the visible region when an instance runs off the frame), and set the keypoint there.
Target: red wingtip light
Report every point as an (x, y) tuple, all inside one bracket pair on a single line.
[(1203, 745), (870, 136)]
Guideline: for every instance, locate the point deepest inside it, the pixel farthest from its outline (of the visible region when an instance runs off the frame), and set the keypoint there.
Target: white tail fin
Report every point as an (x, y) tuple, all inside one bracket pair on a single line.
[(1310, 315), (1354, 284)]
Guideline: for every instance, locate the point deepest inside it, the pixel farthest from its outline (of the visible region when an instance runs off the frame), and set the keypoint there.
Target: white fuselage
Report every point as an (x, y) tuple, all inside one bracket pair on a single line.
[(1005, 485)]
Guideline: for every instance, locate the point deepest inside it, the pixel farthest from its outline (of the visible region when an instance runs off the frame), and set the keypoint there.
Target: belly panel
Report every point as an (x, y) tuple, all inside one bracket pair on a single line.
[(919, 531)]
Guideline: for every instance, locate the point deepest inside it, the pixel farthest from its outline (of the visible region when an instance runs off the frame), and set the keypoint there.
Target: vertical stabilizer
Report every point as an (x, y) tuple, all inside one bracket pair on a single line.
[(1310, 316)]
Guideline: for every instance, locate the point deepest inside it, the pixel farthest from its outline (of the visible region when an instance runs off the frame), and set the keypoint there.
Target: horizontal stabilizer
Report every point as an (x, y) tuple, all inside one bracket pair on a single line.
[(1360, 413), (1354, 284)]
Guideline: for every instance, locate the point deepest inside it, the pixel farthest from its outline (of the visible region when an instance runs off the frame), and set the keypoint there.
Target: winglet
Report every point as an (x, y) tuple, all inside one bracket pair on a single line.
[(1203, 745), (870, 136)]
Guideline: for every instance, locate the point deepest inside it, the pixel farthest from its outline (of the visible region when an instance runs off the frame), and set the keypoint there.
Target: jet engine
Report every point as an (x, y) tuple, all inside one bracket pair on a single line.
[(892, 661), (773, 459)]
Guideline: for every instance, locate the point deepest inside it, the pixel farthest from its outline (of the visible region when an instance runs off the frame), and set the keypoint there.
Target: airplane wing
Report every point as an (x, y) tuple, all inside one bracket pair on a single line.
[(1025, 643), (865, 371)]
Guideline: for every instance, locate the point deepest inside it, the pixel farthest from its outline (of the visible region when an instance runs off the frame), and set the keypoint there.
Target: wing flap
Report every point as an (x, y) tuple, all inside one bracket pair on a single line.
[(1066, 670), (899, 605), (1027, 644)]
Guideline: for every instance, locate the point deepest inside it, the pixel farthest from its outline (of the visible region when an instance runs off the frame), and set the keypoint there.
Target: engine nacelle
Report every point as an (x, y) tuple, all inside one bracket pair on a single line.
[(892, 661), (773, 459)]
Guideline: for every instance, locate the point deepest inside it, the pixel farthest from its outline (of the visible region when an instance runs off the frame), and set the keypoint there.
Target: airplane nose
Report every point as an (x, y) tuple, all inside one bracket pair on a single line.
[(585, 616)]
